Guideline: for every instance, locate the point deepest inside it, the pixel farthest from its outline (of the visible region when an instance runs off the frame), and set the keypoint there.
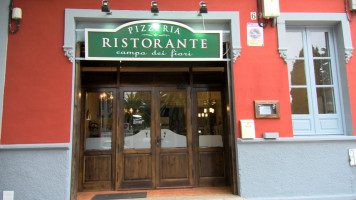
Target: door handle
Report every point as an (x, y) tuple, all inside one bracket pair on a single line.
[(157, 141)]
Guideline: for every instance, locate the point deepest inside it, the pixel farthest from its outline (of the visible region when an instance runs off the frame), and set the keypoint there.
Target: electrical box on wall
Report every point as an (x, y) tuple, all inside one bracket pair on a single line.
[(271, 8), (352, 155), (352, 4), (8, 195)]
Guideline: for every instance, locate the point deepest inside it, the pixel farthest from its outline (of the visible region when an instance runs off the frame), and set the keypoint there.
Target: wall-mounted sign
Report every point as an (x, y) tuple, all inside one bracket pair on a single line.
[(268, 109), (152, 40), (254, 34)]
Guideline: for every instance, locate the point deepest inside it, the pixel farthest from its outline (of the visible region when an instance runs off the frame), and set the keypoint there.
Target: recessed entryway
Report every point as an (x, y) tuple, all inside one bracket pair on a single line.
[(147, 125)]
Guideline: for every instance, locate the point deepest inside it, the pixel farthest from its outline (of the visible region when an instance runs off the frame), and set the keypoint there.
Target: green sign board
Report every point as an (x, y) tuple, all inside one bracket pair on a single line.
[(153, 40)]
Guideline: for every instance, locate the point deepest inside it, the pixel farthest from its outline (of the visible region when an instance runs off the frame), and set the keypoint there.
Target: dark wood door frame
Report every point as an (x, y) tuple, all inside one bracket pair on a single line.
[(229, 99), (219, 176), (131, 176), (89, 178), (231, 126), (168, 159), (76, 132), (149, 162)]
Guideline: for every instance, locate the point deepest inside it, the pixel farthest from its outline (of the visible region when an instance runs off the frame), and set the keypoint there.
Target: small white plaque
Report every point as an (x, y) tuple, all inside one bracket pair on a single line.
[(247, 129)]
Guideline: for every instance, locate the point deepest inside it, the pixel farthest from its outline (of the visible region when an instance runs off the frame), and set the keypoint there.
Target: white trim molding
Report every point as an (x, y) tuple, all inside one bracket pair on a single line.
[(283, 54), (69, 52), (348, 54), (337, 20), (236, 53), (51, 146), (75, 16)]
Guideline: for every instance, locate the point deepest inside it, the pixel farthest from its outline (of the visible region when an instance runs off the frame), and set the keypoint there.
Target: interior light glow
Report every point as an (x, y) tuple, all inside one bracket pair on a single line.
[(156, 26)]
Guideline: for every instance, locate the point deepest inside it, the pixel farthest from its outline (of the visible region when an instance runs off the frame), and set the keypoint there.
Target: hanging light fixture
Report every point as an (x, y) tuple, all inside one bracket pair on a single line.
[(106, 96), (208, 106), (154, 8)]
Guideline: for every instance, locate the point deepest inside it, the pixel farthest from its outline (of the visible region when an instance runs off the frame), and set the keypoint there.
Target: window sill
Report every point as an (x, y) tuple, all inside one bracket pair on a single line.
[(301, 139), (64, 146)]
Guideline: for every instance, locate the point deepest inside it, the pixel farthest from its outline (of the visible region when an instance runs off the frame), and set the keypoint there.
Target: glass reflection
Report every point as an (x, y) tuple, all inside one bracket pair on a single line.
[(173, 110), (296, 72), (98, 120), (320, 44), (322, 70), (326, 103), (299, 101), (295, 44), (209, 119), (137, 120)]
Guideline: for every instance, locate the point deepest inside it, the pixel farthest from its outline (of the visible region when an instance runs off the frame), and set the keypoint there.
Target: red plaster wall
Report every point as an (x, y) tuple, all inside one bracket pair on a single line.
[(37, 100)]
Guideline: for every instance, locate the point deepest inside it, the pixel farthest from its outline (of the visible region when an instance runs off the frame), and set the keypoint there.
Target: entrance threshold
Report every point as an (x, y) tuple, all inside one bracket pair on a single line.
[(201, 193)]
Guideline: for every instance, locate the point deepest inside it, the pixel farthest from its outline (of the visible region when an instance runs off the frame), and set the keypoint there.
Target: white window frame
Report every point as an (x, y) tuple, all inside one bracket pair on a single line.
[(343, 52), (314, 123)]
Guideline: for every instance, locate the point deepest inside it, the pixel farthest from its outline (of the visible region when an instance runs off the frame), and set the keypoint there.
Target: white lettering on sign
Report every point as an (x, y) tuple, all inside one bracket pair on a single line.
[(124, 43), (106, 42), (115, 42), (135, 53), (134, 42), (184, 44), (155, 43), (204, 44), (169, 43), (175, 53), (143, 43), (153, 27), (159, 53), (193, 42)]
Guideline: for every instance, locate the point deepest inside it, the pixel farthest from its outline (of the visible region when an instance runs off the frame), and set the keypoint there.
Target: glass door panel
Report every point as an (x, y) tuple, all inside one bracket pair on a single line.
[(173, 114), (209, 135), (97, 159), (173, 157), (98, 120), (299, 101), (326, 100), (209, 119), (135, 159), (137, 120), (320, 44)]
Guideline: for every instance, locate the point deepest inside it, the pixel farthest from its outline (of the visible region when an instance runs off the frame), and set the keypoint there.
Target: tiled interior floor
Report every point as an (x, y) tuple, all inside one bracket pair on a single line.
[(193, 193)]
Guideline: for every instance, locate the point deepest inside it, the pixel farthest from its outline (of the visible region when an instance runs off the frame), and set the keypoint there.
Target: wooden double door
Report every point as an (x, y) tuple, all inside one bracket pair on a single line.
[(152, 137), (156, 150)]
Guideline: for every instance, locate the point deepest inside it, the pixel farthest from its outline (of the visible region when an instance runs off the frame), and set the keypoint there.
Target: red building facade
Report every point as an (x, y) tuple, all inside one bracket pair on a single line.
[(304, 63)]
